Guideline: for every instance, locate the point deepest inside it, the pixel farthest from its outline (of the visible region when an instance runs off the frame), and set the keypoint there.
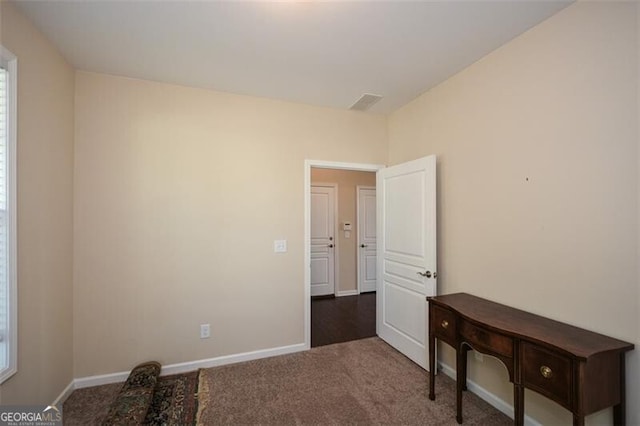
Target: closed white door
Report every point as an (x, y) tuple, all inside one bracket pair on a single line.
[(322, 240), (406, 200), (366, 239)]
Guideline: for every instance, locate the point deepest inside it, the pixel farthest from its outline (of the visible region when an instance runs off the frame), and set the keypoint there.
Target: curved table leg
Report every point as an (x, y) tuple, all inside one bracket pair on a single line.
[(464, 349), (619, 410), (461, 379), (432, 367), (518, 405)]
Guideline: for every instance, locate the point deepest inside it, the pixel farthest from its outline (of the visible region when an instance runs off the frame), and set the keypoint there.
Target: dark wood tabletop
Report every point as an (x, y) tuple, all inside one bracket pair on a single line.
[(576, 341)]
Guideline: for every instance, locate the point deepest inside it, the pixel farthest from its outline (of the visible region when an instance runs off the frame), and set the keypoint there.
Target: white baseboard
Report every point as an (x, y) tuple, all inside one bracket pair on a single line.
[(346, 293), (64, 394), (103, 379), (231, 359), (493, 400), (85, 382)]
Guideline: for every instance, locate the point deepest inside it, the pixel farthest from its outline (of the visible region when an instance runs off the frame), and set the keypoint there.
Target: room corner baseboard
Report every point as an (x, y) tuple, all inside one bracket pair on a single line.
[(347, 293), (64, 394), (487, 396), (85, 382), (99, 380)]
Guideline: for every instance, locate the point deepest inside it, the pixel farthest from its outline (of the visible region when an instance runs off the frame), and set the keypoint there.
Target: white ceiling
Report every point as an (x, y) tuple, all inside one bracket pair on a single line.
[(317, 53)]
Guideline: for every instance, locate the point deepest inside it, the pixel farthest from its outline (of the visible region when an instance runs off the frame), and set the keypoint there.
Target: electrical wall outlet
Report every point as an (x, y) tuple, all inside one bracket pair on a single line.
[(479, 356), (205, 331)]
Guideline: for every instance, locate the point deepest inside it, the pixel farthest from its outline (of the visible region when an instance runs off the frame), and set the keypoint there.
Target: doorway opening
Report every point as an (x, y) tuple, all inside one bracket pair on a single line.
[(340, 246)]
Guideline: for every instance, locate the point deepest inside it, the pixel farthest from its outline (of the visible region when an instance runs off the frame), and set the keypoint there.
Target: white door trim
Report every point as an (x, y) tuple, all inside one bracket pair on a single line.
[(336, 253), (358, 271), (308, 164)]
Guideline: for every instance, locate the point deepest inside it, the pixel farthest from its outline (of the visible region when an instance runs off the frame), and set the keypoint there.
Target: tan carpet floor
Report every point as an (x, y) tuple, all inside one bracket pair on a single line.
[(363, 382), (360, 382)]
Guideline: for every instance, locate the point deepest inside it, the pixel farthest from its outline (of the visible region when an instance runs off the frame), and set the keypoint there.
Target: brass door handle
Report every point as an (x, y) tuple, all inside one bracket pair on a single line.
[(444, 323)]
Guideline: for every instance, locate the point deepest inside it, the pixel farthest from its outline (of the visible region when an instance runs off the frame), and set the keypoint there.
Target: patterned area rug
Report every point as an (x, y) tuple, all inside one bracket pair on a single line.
[(135, 397), (174, 402)]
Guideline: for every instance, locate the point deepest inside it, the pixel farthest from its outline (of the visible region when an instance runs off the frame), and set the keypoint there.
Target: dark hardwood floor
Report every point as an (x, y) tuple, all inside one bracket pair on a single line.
[(341, 319)]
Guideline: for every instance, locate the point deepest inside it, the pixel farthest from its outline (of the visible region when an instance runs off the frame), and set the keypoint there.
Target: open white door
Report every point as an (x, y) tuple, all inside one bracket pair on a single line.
[(406, 204)]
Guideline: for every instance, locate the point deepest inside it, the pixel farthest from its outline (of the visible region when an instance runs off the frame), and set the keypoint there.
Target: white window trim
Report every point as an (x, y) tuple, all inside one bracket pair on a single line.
[(11, 61)]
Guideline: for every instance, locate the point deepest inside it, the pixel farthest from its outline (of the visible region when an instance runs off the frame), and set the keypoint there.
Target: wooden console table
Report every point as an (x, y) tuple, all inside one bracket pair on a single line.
[(580, 370)]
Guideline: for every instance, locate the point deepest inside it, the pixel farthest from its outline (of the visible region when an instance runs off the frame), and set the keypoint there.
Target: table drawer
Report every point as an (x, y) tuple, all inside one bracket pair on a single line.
[(445, 324), (482, 338), (547, 372)]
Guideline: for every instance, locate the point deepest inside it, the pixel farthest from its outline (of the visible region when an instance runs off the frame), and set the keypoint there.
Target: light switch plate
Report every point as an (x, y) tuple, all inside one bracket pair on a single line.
[(280, 246)]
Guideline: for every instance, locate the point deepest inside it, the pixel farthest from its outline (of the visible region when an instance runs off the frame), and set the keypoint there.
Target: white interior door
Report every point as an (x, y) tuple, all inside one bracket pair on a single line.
[(406, 200), (323, 200), (366, 239)]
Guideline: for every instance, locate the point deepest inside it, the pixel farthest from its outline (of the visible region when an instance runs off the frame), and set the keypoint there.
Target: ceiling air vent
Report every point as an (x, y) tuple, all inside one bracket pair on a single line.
[(365, 102)]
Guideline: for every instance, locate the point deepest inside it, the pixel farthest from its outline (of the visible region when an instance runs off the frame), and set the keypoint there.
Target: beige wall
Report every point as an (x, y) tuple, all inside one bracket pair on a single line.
[(538, 174), (45, 199), (179, 194), (347, 181)]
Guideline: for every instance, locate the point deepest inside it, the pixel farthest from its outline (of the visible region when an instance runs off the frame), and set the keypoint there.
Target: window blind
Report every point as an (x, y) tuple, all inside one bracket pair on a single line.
[(4, 300)]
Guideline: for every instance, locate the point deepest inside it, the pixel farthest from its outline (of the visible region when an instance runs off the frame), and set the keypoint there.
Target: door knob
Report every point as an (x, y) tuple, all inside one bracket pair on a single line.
[(330, 246), (363, 245), (425, 274)]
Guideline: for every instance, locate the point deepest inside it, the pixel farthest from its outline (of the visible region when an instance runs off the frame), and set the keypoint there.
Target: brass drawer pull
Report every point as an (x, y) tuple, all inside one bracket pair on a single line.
[(546, 372), (444, 323)]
